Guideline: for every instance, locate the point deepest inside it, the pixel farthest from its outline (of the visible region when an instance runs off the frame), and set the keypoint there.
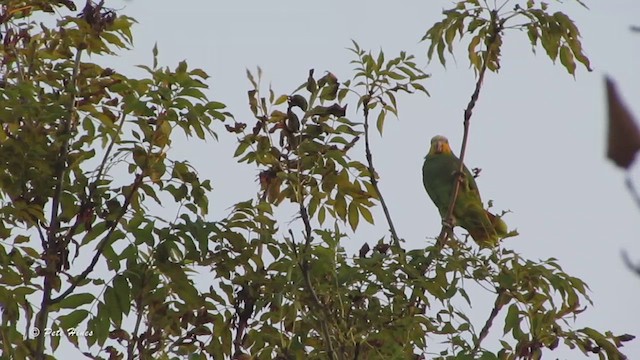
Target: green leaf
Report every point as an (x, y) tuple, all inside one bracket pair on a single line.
[(281, 100), (76, 300), (354, 215), (474, 59), (322, 213), (566, 59), (121, 288), (112, 305), (180, 283), (450, 33), (380, 120), (340, 206), (576, 48), (251, 79), (72, 319), (550, 39), (512, 319), (366, 214)]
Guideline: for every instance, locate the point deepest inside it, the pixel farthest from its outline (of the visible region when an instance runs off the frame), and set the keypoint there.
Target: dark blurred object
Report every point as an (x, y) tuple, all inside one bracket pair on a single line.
[(634, 267), (623, 144), (624, 134), (632, 189)]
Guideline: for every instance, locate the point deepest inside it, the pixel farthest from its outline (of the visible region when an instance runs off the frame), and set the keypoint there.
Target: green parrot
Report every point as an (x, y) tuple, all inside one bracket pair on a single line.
[(438, 175)]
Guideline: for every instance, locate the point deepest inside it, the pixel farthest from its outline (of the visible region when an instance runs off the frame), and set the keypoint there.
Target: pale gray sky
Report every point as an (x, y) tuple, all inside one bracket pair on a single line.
[(538, 134)]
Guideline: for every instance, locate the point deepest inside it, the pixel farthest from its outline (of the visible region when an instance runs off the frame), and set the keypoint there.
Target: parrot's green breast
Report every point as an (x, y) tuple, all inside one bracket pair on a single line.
[(438, 176)]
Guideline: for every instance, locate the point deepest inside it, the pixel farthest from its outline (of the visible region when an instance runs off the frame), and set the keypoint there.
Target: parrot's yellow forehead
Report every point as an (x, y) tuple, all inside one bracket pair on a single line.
[(439, 145)]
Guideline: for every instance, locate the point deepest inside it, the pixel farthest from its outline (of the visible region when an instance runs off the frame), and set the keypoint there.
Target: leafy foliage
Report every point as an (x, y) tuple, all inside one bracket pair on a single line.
[(87, 159), (556, 32), (83, 150)]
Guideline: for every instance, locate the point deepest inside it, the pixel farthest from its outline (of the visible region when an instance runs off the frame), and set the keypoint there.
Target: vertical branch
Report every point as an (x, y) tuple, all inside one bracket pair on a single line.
[(497, 26), (53, 251), (304, 267), (372, 172)]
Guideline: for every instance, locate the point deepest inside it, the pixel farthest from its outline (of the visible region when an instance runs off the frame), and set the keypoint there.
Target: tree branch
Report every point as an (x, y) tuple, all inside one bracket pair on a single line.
[(501, 301), (52, 247), (372, 172), (304, 267), (447, 228), (627, 261), (137, 182), (103, 243), (87, 203)]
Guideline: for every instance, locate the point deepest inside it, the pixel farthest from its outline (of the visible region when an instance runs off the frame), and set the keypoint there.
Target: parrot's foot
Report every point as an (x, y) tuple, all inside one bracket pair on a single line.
[(459, 175), (476, 172), (448, 223)]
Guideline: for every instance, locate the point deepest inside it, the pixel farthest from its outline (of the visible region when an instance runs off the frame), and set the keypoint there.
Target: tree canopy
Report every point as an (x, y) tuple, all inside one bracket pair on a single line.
[(87, 158)]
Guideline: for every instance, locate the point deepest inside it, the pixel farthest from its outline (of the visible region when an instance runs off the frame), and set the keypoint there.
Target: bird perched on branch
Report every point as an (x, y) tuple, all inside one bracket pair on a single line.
[(439, 173)]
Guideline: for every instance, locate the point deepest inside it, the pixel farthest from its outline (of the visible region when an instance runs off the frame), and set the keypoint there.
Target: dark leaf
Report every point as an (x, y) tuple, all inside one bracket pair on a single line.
[(623, 140), (364, 250), (237, 128), (311, 82), (299, 101)]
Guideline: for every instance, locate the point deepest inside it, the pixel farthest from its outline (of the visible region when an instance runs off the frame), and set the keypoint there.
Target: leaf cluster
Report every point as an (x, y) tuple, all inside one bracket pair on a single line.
[(486, 26)]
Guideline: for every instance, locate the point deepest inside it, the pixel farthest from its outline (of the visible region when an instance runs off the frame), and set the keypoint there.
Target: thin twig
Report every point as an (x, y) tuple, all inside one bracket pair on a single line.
[(632, 189), (627, 261), (500, 302), (372, 173), (447, 227)]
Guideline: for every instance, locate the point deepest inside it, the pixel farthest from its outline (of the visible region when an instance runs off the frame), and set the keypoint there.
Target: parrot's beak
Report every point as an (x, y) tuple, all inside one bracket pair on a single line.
[(440, 147)]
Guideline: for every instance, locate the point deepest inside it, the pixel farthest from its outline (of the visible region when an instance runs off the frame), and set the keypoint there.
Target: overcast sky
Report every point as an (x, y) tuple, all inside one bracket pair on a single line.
[(537, 133)]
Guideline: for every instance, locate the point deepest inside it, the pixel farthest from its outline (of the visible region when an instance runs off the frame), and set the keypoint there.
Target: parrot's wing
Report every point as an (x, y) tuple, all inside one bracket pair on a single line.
[(472, 216), (470, 184), (498, 224)]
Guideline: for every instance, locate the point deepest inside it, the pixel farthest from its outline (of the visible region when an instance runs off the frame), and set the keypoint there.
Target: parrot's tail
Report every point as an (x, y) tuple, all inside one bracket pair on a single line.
[(498, 225), (488, 232)]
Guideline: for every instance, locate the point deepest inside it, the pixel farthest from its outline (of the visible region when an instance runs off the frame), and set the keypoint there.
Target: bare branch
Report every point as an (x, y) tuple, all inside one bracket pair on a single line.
[(501, 300), (372, 172)]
